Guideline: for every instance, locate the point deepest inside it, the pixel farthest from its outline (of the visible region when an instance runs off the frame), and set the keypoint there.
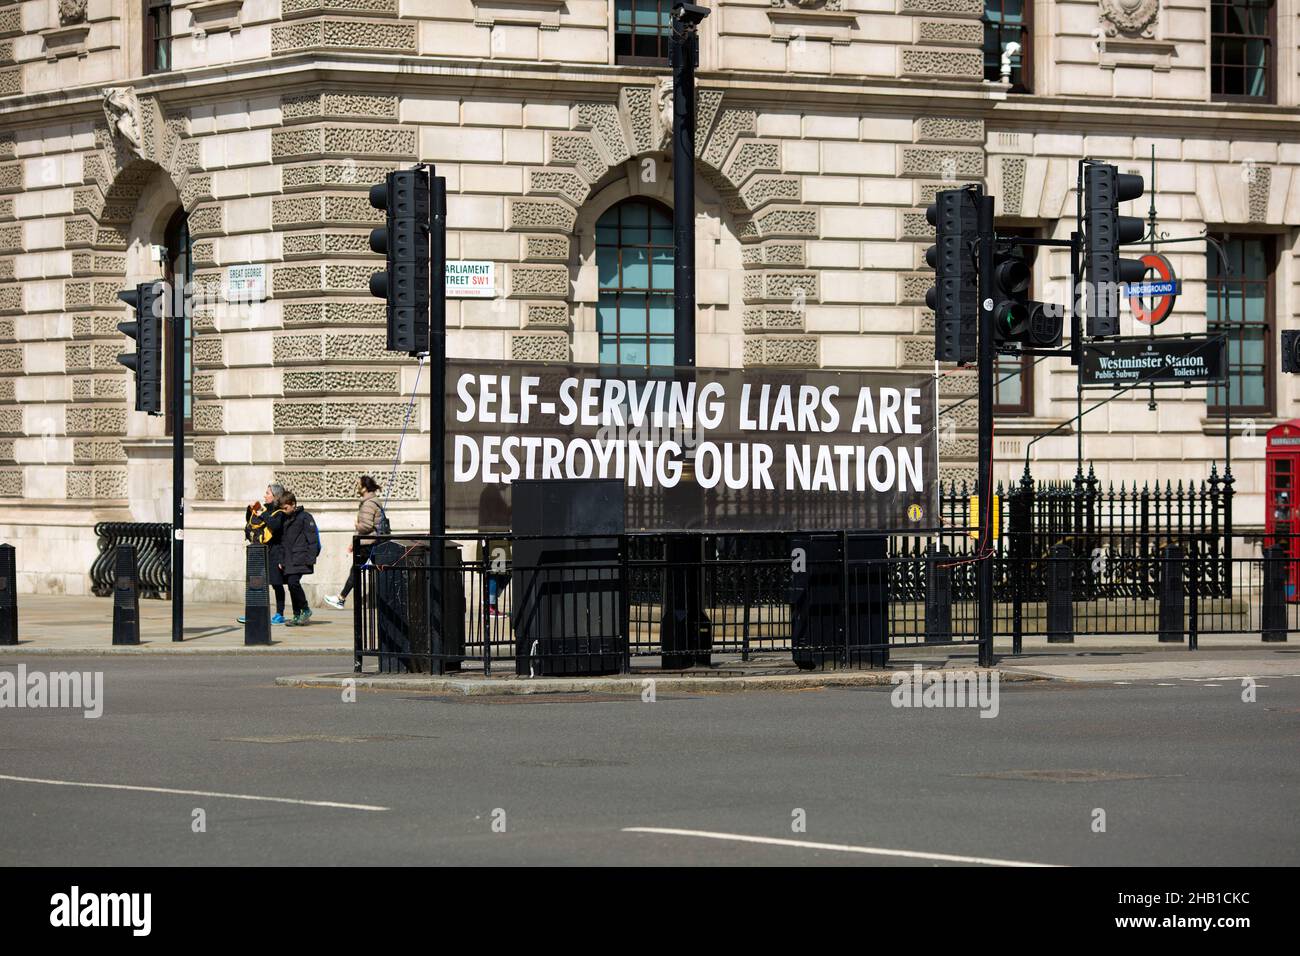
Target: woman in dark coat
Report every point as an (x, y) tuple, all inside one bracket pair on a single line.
[(300, 545)]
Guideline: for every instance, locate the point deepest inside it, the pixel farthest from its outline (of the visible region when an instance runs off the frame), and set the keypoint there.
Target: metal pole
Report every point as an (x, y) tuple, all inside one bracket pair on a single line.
[(437, 424), (437, 357), (985, 564), (176, 391), (683, 51), (1076, 350)]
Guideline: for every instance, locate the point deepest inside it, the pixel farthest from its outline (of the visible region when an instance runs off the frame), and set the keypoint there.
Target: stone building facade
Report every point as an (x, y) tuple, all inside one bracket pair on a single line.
[(825, 127)]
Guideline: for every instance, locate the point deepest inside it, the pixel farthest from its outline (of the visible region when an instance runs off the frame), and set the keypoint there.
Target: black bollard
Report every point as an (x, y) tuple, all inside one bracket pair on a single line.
[(126, 597), (8, 595), (257, 603), (938, 596), (1273, 613), (1060, 596), (1171, 595)]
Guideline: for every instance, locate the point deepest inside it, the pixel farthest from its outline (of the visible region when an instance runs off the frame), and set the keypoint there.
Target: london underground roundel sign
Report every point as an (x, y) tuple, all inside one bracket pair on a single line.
[(1162, 290)]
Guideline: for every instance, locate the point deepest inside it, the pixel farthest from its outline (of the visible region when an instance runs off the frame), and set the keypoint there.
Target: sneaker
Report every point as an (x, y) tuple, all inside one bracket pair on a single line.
[(298, 621), (494, 611), (278, 619), (305, 615), (334, 601), (241, 619)]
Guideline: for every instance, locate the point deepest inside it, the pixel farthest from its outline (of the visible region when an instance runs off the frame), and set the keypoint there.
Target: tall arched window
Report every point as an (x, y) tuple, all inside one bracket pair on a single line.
[(634, 259)]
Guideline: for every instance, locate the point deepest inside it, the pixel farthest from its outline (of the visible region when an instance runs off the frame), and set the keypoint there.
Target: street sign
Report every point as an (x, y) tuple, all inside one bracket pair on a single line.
[(1157, 360), (1165, 290), (471, 280)]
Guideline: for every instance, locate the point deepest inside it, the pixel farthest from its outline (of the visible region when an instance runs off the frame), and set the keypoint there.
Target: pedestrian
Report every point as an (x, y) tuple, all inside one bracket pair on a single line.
[(300, 543), (262, 525), (370, 516)]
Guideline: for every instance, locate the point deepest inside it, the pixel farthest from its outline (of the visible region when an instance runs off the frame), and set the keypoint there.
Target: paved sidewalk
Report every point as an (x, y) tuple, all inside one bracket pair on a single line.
[(64, 624)]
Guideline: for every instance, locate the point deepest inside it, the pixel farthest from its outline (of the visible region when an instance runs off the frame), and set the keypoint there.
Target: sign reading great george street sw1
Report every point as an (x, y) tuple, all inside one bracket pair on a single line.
[(1163, 360), (701, 449)]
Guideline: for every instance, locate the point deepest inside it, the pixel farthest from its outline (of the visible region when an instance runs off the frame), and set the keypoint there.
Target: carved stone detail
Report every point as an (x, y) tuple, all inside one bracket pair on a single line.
[(1129, 17)]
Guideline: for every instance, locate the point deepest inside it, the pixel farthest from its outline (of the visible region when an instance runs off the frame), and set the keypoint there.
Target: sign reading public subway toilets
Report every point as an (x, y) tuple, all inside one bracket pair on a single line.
[(709, 449)]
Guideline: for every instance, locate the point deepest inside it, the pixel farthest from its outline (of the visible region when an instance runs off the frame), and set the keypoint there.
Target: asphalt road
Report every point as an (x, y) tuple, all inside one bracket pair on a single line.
[(1185, 771)]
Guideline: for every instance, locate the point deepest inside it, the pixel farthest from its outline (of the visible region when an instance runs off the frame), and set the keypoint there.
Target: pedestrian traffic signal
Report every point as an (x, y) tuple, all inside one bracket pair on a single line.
[(954, 297), (1291, 350), (406, 197), (146, 299), (1017, 317), (1105, 187)]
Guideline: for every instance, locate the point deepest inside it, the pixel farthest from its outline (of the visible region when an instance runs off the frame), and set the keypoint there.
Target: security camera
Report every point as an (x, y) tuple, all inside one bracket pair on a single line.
[(690, 13)]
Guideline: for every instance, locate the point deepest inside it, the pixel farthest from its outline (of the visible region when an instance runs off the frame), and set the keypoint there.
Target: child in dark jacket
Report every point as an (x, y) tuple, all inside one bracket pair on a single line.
[(300, 546)]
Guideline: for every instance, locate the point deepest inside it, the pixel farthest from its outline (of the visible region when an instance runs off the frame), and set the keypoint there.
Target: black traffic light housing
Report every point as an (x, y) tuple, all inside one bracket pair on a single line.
[(1291, 350), (1105, 187), (954, 297), (147, 300), (1017, 317), (405, 238)]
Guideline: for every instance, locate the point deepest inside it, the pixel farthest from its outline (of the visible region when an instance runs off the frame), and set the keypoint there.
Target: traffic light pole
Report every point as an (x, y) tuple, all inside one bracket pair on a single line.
[(985, 490), (176, 394), (683, 51), (438, 357)]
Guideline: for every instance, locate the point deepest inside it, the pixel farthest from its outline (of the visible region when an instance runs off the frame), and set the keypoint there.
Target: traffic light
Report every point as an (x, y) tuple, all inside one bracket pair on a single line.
[(146, 299), (1016, 317), (1291, 350), (1105, 187), (954, 297), (406, 197)]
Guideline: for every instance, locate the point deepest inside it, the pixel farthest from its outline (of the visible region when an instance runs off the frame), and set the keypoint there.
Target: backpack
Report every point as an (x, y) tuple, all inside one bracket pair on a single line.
[(256, 530), (382, 524)]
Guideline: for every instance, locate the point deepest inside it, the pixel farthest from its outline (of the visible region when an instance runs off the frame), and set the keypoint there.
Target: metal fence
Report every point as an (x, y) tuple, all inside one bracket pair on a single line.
[(1071, 560)]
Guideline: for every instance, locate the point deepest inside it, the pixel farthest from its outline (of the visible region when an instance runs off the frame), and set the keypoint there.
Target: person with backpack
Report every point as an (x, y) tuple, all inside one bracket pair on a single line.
[(262, 525), (371, 519), (300, 544)]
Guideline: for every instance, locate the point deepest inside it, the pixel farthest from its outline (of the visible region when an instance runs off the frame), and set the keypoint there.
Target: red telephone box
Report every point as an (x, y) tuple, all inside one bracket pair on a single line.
[(1281, 508)]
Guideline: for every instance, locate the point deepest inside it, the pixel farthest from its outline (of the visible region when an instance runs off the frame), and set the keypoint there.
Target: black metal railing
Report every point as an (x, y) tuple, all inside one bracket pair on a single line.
[(825, 600), (152, 542)]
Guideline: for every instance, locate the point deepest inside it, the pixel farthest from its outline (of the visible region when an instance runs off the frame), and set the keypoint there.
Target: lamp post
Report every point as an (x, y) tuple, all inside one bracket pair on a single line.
[(684, 55), (684, 629)]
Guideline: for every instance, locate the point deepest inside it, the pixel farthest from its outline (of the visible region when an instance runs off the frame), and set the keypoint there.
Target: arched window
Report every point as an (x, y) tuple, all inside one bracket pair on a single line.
[(634, 259)]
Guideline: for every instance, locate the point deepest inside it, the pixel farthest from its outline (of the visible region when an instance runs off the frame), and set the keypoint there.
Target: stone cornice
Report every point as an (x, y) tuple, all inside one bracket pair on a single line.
[(374, 72)]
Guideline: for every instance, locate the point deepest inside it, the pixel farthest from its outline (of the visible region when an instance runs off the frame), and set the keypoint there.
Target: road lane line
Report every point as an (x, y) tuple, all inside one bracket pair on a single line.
[(196, 793), (837, 847)]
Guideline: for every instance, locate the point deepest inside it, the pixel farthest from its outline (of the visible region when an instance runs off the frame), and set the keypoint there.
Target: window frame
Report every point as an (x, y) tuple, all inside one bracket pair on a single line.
[(632, 59), (1026, 84), (1270, 70), (151, 39), (652, 205), (1269, 406)]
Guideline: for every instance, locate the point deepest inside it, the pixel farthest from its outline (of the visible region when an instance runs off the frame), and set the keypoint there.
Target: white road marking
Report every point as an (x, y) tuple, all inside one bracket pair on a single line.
[(836, 847), (196, 793)]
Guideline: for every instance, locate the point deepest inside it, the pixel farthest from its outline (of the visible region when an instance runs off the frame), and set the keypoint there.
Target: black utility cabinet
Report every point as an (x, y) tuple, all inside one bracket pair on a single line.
[(567, 608)]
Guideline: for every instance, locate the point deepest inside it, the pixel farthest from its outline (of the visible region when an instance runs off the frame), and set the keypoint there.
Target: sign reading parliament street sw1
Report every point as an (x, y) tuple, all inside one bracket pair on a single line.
[(1124, 362), (704, 449), (471, 280)]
